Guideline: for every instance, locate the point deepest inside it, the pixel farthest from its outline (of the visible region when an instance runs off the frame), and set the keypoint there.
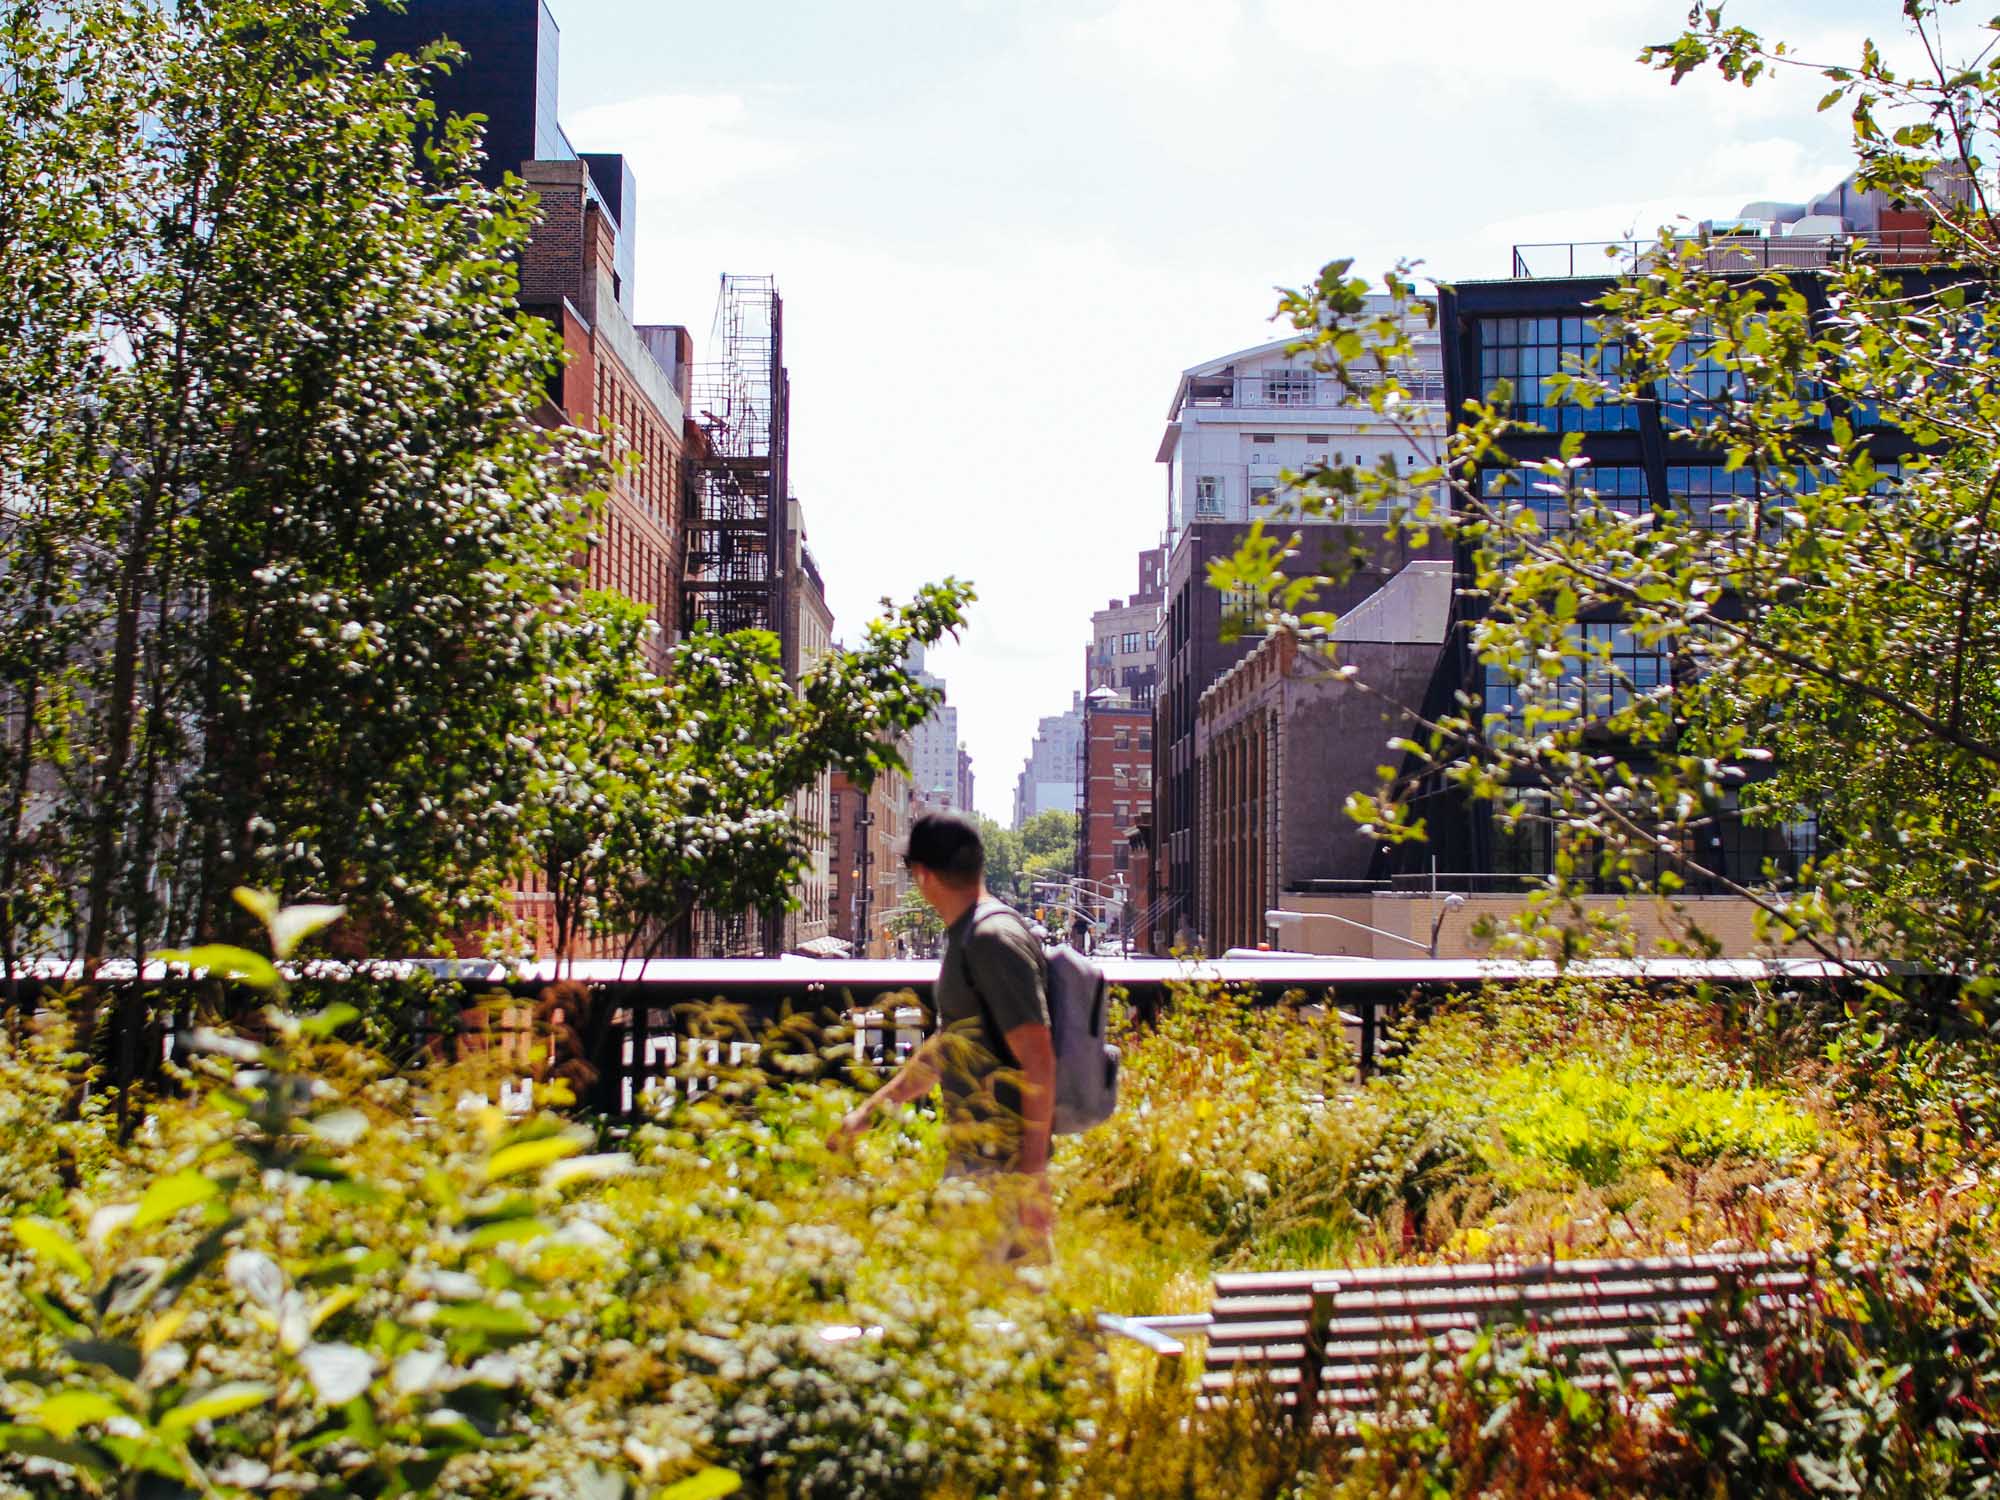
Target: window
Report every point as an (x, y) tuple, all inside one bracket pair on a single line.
[(1288, 388), (1133, 642), (1527, 352), (1146, 743), (1120, 777), (1609, 487), (1121, 856), (1319, 437), (1208, 494), (1696, 382), (1121, 737), (1263, 437), (1611, 669)]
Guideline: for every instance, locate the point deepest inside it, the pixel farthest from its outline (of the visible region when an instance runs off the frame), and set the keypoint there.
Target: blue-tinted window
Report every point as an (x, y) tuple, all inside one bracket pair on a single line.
[(1614, 667), (1556, 504), (1696, 385), (1527, 351)]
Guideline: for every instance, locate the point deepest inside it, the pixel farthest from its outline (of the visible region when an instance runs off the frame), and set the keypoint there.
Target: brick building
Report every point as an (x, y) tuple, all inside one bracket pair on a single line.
[(1281, 741), (577, 272), (1114, 793), (869, 832)]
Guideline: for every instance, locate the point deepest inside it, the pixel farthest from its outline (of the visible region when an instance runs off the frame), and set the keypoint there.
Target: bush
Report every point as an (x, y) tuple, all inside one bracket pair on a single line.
[(1471, 1104), (1226, 1105), (1884, 1382), (314, 1274)]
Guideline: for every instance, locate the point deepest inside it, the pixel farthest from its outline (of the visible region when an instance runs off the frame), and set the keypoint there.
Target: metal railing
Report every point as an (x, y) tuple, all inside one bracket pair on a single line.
[(1731, 254)]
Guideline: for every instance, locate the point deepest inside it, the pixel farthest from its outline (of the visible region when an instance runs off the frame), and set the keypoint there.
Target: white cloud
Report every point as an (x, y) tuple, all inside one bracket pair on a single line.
[(1181, 41), (704, 142)]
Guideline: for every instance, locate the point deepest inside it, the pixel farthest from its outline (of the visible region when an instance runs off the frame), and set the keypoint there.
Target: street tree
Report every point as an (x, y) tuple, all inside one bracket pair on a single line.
[(1833, 634), (705, 819)]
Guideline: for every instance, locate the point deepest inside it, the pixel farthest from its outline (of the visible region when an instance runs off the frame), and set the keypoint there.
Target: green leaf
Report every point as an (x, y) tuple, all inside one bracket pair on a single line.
[(295, 924), (709, 1484), (217, 1401), (485, 1318), (51, 1242), (121, 1359), (221, 961), (325, 1023), (532, 1156), (64, 1413), (170, 1195)]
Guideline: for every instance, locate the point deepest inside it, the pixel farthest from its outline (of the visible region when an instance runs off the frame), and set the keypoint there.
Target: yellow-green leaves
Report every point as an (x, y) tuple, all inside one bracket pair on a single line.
[(215, 1403), (170, 1195), (65, 1412), (52, 1243), (532, 1155), (222, 961)]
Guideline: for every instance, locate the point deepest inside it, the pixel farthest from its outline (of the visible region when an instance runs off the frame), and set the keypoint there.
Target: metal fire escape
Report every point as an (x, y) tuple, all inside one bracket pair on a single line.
[(734, 570), (734, 574)]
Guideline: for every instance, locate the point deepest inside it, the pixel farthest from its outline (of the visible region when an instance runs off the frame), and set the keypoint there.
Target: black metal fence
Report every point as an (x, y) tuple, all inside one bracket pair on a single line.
[(644, 1031)]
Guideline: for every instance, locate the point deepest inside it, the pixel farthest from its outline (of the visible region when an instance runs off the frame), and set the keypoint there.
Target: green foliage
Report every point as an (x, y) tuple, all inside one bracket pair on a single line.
[(1048, 847), (1574, 1122), (1003, 860), (1225, 1112), (1887, 1382), (656, 799)]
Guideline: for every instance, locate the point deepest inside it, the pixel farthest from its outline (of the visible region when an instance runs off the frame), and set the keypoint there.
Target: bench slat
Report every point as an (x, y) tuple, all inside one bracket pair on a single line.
[(1232, 1284)]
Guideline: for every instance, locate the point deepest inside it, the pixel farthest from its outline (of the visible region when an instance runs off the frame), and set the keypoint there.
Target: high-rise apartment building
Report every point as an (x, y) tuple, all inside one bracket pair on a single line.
[(934, 746), (1235, 427), (1047, 782)]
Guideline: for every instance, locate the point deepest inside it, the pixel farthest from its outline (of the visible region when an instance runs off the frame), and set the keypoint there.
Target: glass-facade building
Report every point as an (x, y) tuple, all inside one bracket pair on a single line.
[(1515, 340)]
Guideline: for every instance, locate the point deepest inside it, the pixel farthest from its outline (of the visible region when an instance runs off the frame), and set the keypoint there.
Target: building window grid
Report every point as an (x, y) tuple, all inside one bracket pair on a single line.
[(1528, 352), (1612, 668), (1619, 488)]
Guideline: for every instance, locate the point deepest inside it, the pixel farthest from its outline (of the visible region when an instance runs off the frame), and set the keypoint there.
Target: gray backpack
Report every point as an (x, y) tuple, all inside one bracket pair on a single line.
[(1086, 1064)]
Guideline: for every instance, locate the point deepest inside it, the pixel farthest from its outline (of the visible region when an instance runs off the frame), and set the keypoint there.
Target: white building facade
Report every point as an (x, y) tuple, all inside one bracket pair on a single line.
[(1239, 423), (1047, 782)]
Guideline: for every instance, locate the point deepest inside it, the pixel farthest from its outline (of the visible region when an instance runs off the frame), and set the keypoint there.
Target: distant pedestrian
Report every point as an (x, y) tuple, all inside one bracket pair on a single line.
[(992, 1053)]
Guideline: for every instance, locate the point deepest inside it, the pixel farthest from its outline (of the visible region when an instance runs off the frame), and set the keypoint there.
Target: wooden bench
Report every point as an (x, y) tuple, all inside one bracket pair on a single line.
[(1340, 1341)]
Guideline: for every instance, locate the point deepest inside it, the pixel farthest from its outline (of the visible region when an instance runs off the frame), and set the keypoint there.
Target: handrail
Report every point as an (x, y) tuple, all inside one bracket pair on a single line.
[(1726, 253)]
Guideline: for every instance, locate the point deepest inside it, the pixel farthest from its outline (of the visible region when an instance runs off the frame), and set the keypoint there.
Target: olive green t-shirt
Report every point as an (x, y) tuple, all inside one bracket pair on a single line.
[(990, 956)]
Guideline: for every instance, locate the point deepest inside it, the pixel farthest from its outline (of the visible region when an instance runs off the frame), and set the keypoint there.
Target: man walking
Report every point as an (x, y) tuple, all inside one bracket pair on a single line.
[(992, 1051)]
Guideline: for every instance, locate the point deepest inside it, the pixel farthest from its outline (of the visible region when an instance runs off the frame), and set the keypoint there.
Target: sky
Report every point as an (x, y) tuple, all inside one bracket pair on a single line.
[(1002, 228)]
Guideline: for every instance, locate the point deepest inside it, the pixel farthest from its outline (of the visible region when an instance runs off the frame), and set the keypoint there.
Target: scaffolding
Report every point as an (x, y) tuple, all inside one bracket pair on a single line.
[(734, 575)]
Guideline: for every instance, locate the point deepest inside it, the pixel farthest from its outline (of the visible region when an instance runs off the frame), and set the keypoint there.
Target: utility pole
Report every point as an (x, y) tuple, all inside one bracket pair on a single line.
[(864, 880)]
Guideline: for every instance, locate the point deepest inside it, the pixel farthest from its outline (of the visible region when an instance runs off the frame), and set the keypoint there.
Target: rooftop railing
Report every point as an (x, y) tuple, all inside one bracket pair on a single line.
[(1745, 254)]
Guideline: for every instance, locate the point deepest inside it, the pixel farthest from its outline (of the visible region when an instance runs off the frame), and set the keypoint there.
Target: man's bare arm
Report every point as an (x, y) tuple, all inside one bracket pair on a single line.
[(917, 1077)]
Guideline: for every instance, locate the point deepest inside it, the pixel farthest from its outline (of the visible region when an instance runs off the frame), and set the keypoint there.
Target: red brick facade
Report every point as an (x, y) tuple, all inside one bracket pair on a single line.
[(1117, 795)]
